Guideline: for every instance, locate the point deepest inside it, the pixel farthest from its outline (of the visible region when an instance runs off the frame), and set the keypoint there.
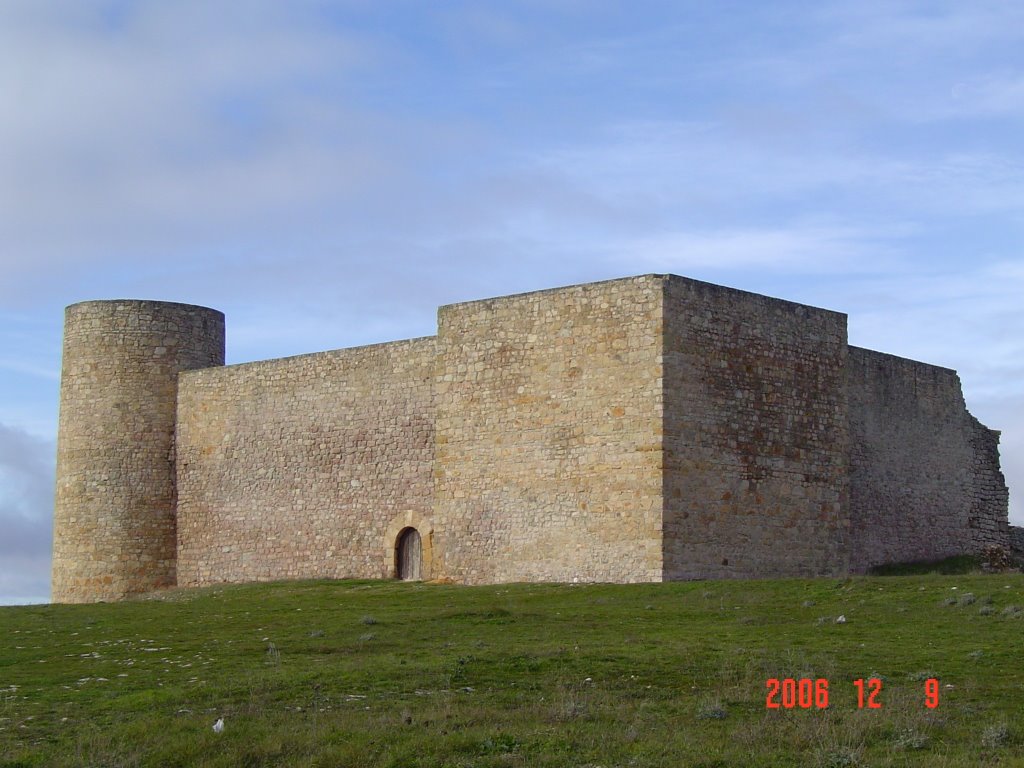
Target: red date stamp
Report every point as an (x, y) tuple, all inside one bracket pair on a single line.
[(789, 693)]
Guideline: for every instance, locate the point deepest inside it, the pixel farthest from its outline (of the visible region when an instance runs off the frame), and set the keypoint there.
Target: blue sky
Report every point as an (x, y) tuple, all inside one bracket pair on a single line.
[(328, 173)]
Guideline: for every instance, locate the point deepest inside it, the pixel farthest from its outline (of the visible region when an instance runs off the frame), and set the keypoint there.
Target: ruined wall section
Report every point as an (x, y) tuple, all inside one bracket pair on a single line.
[(1017, 542), (755, 435), (548, 464), (114, 523), (986, 490), (925, 481), (296, 468)]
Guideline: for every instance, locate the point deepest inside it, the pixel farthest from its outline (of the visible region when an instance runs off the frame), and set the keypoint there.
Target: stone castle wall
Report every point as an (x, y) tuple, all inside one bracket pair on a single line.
[(1017, 541), (114, 514), (924, 474), (755, 435), (986, 489), (296, 468), (644, 429), (548, 462)]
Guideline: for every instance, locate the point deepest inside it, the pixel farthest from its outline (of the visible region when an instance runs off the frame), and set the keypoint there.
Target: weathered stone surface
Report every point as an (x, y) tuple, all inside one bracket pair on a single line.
[(295, 468), (548, 462), (642, 429), (924, 474), (1017, 541), (755, 435), (114, 515)]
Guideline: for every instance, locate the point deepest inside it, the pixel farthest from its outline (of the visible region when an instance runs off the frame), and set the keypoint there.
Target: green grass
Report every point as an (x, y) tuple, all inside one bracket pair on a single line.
[(399, 674)]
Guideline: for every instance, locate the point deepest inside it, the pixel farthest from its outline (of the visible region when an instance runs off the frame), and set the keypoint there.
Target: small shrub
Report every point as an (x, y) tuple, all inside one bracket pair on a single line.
[(986, 610), (995, 736), (273, 655), (967, 598), (995, 558), (910, 738), (712, 710), (501, 744), (843, 757), (1011, 612), (368, 621)]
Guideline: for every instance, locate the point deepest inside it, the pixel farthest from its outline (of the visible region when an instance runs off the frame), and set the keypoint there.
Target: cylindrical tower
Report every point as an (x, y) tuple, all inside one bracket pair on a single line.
[(114, 524)]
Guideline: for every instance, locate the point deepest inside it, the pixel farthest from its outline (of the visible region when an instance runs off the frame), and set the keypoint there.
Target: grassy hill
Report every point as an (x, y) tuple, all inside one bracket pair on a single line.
[(404, 674)]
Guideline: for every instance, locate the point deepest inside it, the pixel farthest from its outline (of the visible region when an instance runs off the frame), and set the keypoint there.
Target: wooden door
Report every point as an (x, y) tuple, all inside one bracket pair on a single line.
[(409, 554)]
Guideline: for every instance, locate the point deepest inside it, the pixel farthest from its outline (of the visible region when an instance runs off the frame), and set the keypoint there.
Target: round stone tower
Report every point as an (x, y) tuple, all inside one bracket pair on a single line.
[(114, 526)]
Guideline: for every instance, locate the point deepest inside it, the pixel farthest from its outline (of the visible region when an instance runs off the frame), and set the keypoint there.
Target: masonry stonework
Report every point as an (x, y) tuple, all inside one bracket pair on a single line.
[(645, 429), (1017, 543), (548, 463), (295, 468), (755, 434), (924, 473), (115, 508)]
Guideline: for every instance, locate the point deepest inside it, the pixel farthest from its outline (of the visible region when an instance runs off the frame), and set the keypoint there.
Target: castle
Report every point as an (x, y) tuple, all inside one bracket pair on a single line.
[(651, 428)]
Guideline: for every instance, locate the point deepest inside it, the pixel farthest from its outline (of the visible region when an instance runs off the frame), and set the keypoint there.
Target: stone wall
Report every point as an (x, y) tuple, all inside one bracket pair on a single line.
[(924, 474), (548, 464), (755, 435), (114, 524), (304, 467), (1017, 541), (644, 429)]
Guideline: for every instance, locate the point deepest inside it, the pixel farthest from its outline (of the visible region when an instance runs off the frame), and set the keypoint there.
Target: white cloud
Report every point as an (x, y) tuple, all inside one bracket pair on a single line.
[(728, 171), (912, 30), (24, 580), (966, 319), (182, 123), (993, 94), (19, 366), (804, 249)]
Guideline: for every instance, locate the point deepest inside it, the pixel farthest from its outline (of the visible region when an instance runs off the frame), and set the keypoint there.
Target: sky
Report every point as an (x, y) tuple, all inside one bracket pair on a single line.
[(328, 173)]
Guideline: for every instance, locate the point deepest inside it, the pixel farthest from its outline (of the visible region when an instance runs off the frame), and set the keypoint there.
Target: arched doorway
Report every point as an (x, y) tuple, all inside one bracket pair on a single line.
[(409, 555), (395, 542)]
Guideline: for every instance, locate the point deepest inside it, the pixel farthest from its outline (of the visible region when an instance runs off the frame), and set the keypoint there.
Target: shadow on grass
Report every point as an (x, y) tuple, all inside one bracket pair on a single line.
[(950, 566)]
